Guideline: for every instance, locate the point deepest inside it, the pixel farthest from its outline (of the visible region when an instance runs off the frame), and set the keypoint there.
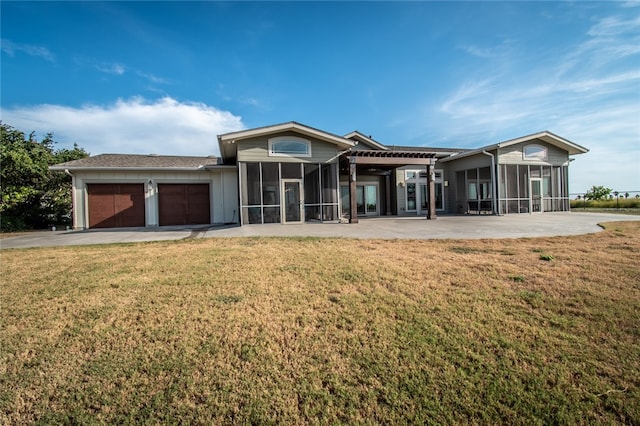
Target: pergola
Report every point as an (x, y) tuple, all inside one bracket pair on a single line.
[(390, 159)]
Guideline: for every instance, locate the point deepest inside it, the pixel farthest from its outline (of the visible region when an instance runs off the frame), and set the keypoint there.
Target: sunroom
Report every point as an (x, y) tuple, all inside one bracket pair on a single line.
[(524, 175), (287, 173)]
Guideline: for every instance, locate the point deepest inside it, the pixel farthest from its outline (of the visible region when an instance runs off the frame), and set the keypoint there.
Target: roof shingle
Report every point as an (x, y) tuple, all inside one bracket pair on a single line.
[(136, 161)]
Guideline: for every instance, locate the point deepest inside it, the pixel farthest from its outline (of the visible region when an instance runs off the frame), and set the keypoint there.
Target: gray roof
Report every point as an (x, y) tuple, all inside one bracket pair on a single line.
[(134, 161), (425, 149), (440, 152)]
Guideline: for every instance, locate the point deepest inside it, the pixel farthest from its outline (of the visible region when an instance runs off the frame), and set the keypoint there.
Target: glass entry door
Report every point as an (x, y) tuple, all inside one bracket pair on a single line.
[(536, 195), (292, 201), (367, 200), (424, 199)]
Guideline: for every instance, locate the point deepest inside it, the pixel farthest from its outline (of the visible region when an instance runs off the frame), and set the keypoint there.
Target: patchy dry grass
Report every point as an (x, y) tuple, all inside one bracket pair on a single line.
[(317, 331), (4, 235)]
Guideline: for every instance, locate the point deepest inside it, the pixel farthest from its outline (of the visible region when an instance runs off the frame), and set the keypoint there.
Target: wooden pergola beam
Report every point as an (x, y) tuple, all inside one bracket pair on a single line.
[(394, 161), (431, 182), (391, 159), (353, 203)]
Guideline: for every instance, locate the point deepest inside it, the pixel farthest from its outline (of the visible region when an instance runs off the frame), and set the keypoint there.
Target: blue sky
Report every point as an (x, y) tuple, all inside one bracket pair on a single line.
[(166, 78)]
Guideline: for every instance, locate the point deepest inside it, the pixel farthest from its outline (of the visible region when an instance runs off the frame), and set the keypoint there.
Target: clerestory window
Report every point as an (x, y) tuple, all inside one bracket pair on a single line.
[(535, 152), (289, 146)]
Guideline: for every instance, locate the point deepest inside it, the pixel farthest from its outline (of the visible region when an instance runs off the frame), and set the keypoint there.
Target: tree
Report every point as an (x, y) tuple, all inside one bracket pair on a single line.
[(32, 196), (598, 193)]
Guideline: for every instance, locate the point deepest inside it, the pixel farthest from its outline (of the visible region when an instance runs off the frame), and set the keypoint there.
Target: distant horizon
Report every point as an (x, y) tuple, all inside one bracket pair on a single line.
[(167, 77)]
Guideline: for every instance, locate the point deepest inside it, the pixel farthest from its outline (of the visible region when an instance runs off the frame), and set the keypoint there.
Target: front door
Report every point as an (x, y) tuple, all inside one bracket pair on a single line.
[(536, 195), (367, 200), (292, 201)]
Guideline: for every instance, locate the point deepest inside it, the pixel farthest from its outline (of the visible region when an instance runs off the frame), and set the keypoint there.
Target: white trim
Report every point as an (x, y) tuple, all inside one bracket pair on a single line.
[(366, 140), (283, 206), (364, 185), (406, 196), (420, 181), (539, 180)]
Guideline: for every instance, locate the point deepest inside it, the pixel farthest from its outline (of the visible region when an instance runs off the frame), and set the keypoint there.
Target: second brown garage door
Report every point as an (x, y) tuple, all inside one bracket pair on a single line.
[(184, 204)]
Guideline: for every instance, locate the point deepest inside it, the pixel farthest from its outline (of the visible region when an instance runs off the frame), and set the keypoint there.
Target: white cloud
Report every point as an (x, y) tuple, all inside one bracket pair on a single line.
[(114, 68), (152, 78), (10, 48), (609, 41), (589, 95), (133, 126), (613, 25), (481, 52), (613, 137), (496, 51), (598, 113), (117, 69)]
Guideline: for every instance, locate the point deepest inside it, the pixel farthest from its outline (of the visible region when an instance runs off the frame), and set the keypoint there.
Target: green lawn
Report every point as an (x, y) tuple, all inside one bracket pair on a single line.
[(317, 331)]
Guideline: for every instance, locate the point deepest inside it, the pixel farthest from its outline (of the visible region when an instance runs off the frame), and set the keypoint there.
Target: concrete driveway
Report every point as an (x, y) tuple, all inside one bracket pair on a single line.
[(450, 227)]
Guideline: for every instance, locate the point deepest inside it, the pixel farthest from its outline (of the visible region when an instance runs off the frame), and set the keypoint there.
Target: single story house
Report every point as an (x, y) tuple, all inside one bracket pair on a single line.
[(293, 173)]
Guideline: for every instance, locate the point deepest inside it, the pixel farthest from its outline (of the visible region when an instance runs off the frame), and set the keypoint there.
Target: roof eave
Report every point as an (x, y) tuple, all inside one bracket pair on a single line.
[(367, 140), (120, 168), (292, 125), (546, 136), (549, 137)]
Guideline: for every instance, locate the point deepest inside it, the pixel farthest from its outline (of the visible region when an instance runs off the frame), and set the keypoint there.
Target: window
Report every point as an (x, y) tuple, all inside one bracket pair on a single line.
[(535, 152), (289, 146), (437, 175), (479, 190), (411, 197), (473, 191), (366, 199), (418, 196)]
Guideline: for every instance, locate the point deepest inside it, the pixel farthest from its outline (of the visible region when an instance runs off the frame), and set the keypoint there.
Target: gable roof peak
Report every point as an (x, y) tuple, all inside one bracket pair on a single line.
[(227, 141), (367, 140)]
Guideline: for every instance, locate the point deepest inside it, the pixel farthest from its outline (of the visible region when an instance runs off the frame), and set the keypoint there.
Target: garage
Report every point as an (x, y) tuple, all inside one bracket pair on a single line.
[(115, 205), (184, 204)]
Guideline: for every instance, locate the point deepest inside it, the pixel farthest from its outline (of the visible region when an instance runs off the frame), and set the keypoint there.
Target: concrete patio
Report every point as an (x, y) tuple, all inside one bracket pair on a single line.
[(445, 227)]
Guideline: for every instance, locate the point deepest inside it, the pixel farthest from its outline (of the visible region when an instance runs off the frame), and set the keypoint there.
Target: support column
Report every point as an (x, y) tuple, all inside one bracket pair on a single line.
[(353, 203), (388, 192), (431, 182)]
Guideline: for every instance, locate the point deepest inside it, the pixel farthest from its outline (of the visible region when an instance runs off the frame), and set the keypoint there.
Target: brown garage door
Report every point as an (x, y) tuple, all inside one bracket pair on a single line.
[(184, 204), (116, 205)]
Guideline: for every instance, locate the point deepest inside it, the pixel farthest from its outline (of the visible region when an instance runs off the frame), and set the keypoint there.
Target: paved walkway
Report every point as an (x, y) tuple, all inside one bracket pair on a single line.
[(456, 227)]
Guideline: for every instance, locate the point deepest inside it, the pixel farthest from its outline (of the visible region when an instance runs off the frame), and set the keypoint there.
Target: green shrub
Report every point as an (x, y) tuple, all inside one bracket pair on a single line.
[(623, 203)]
